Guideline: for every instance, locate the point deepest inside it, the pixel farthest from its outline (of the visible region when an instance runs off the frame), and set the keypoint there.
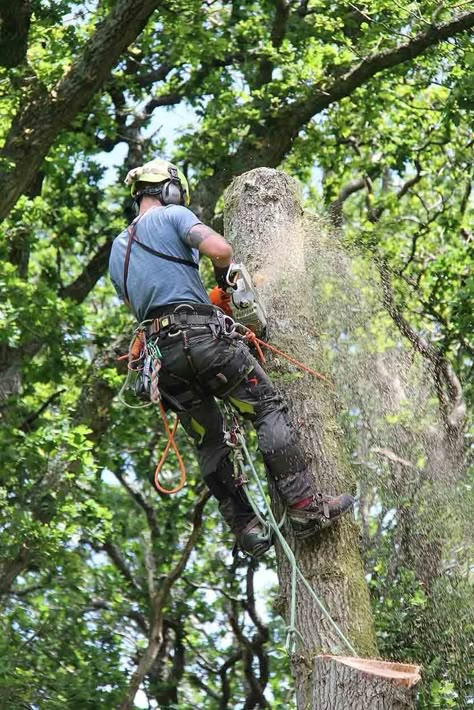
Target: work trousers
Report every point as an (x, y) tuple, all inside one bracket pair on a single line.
[(200, 364)]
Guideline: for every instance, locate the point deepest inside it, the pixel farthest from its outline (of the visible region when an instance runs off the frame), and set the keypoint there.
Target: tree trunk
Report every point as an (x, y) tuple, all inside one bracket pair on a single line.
[(265, 222), (378, 690)]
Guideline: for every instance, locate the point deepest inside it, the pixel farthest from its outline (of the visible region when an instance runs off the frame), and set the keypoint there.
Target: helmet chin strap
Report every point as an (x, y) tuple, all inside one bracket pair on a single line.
[(151, 191)]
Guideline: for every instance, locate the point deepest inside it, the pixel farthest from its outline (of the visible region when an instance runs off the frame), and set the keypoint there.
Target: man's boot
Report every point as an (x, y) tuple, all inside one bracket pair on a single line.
[(251, 536), (318, 511), (237, 512), (308, 512)]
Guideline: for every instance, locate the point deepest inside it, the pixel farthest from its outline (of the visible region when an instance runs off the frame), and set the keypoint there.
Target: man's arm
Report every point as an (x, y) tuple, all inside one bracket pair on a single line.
[(211, 244)]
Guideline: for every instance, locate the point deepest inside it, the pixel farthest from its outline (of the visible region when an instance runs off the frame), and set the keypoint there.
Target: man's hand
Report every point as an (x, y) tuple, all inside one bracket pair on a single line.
[(221, 299)]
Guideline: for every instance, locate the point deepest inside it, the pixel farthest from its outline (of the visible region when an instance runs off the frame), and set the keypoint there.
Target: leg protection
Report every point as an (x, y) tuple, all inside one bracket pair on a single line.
[(234, 505), (290, 471), (237, 512), (257, 399), (218, 365)]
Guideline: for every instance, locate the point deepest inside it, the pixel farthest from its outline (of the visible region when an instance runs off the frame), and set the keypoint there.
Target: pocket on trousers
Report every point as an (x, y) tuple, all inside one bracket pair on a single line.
[(224, 367)]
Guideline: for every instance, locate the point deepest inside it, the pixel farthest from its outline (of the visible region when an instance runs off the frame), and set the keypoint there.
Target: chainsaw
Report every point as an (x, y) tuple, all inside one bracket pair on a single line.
[(244, 303)]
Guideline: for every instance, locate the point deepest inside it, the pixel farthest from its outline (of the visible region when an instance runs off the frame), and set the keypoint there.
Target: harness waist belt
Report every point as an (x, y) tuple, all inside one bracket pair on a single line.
[(182, 320), (191, 308)]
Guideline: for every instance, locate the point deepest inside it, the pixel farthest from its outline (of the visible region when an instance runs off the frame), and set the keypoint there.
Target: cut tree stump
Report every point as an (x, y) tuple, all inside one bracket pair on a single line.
[(368, 684)]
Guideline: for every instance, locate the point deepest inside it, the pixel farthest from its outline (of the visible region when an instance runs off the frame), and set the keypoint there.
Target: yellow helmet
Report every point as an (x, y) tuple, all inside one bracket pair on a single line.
[(172, 187)]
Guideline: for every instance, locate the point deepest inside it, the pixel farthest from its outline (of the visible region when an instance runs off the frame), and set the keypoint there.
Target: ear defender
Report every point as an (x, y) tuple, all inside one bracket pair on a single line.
[(172, 193)]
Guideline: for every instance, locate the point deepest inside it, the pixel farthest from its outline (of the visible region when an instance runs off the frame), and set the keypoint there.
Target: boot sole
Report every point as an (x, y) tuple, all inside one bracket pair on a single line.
[(314, 525)]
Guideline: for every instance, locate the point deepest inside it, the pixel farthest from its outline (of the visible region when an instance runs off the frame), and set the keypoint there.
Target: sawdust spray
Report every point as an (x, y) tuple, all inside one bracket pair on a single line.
[(414, 502)]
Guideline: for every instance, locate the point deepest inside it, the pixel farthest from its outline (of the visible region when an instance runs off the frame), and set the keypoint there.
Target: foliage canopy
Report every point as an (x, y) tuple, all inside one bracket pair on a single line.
[(370, 106)]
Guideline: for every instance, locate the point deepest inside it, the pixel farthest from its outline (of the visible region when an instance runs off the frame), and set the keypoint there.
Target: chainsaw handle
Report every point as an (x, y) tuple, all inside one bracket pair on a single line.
[(232, 275)]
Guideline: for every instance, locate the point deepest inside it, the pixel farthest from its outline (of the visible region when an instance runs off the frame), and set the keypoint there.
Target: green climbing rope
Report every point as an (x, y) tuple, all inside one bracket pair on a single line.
[(292, 631)]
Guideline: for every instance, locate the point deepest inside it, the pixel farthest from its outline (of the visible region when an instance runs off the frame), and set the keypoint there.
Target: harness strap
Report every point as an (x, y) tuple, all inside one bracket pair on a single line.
[(132, 237), (181, 320), (126, 263), (187, 351), (168, 257)]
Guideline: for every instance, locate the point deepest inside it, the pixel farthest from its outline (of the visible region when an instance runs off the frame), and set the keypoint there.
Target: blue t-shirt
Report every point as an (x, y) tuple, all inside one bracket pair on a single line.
[(153, 281)]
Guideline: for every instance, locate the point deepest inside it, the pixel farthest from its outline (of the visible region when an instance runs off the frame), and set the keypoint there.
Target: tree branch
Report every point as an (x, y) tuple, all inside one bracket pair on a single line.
[(345, 192), (15, 18), (154, 76), (136, 616), (449, 390), (28, 421), (411, 181), (248, 649), (92, 409), (12, 358), (92, 272), (43, 117), (390, 58), (142, 503), (229, 663), (465, 198), (196, 523), (344, 84), (158, 599), (277, 35), (115, 555), (199, 683), (249, 605), (271, 139)]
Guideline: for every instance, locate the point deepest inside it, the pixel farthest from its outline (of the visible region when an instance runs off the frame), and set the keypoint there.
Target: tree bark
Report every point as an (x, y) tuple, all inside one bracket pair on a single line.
[(361, 690), (265, 221), (15, 19)]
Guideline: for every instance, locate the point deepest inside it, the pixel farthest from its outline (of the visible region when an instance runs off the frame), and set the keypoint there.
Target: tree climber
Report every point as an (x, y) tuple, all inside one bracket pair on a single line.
[(159, 280)]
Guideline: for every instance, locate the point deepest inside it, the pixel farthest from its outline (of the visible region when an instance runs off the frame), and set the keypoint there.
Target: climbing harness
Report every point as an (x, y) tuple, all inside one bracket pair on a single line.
[(242, 458), (144, 364), (144, 357), (240, 330)]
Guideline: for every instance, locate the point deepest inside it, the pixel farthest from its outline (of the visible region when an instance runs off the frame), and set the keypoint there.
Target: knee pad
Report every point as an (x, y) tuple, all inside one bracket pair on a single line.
[(289, 459)]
